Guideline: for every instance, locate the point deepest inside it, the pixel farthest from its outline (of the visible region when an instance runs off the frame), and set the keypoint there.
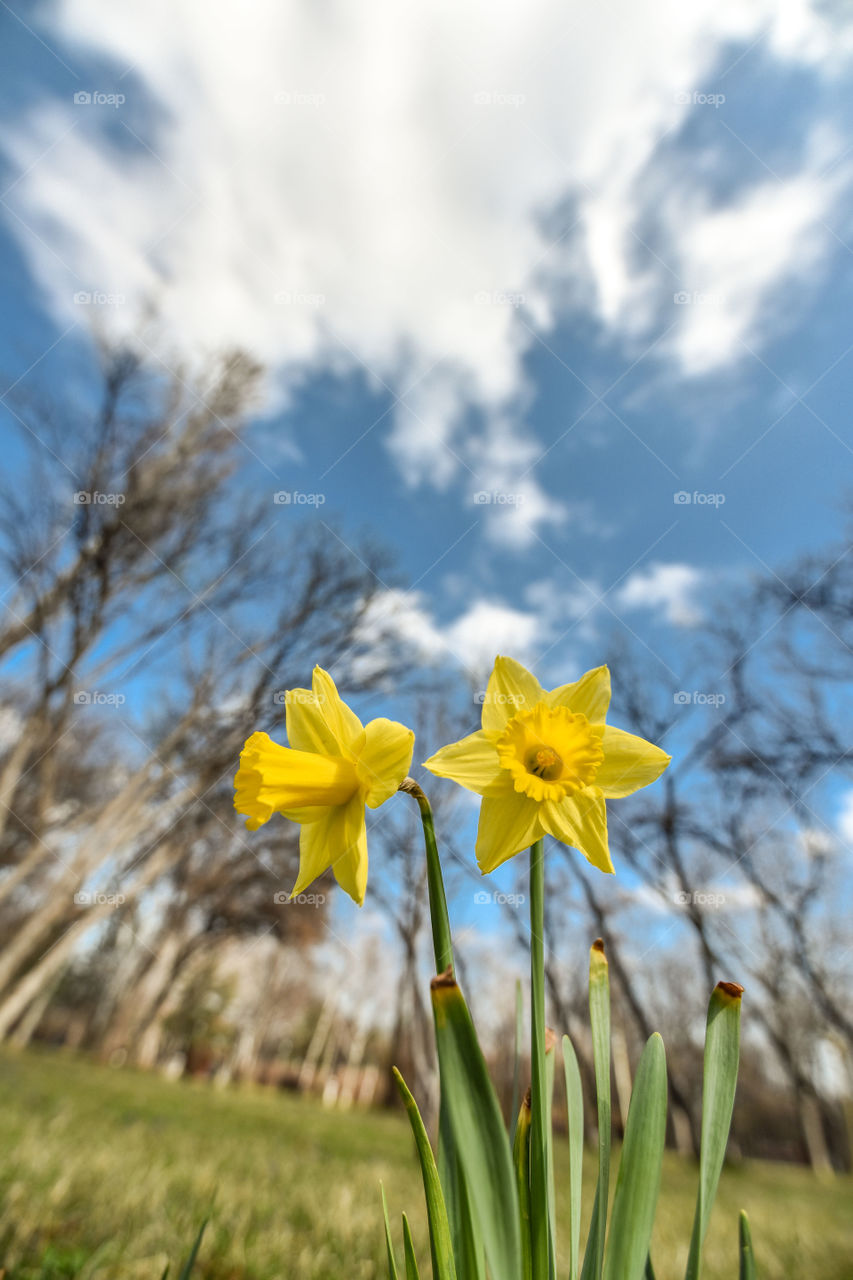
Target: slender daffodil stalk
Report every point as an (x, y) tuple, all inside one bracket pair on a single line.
[(545, 762), (333, 767)]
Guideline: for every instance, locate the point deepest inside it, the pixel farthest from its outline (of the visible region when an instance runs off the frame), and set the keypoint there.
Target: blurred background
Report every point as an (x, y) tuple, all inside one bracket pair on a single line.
[(390, 341)]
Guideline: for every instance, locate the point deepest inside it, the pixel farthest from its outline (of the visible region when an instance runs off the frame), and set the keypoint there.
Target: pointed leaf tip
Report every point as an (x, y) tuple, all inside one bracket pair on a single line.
[(731, 989)]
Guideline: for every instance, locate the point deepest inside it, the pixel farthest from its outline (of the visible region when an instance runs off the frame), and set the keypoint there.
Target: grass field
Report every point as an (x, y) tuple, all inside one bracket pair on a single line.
[(108, 1174)]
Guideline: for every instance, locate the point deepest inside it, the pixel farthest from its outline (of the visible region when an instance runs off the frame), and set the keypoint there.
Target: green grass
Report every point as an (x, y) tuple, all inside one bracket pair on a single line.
[(108, 1174)]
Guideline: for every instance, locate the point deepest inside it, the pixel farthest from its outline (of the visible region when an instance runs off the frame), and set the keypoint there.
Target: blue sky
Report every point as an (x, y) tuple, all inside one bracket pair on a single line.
[(574, 264), (660, 249)]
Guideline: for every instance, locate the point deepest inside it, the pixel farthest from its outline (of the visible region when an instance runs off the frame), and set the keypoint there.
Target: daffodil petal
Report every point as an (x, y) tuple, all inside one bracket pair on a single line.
[(629, 763), (337, 839), (581, 821), (351, 868), (511, 688), (473, 763), (307, 729), (590, 695), (508, 824), (341, 719), (384, 760)]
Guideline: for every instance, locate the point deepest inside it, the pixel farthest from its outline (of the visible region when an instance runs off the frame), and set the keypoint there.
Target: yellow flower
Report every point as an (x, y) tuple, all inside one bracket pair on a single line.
[(544, 763), (333, 767)]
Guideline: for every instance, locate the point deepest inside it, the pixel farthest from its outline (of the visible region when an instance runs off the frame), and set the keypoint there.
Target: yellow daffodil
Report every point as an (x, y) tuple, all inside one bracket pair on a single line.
[(545, 763), (333, 767)]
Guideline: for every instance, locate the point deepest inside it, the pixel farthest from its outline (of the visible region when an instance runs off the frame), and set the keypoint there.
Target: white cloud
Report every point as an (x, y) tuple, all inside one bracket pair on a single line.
[(545, 634), (488, 628), (845, 819), (670, 589), (737, 257), (379, 191), (471, 640)]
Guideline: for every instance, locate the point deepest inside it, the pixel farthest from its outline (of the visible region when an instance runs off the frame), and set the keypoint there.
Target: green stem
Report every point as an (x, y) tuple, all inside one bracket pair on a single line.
[(538, 1099), (441, 940)]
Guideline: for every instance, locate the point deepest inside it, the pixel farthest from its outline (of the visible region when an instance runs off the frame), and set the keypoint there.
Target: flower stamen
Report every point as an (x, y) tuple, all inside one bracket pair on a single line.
[(550, 752)]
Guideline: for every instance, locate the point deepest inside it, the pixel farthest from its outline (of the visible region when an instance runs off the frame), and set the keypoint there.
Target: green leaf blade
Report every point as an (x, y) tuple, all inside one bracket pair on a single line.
[(599, 1013), (574, 1105), (392, 1261), (521, 1159), (747, 1256), (409, 1252), (638, 1182), (464, 1233), (441, 1246), (719, 1081), (477, 1129)]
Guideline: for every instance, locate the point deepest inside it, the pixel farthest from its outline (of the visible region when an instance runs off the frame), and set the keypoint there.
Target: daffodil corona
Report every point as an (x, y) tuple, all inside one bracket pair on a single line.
[(545, 762), (333, 767)]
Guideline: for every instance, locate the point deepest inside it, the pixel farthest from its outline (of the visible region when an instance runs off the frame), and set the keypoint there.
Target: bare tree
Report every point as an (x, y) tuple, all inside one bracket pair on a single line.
[(157, 612)]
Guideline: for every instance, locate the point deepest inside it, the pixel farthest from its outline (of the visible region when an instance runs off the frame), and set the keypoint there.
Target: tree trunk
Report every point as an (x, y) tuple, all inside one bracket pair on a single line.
[(30, 985)]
